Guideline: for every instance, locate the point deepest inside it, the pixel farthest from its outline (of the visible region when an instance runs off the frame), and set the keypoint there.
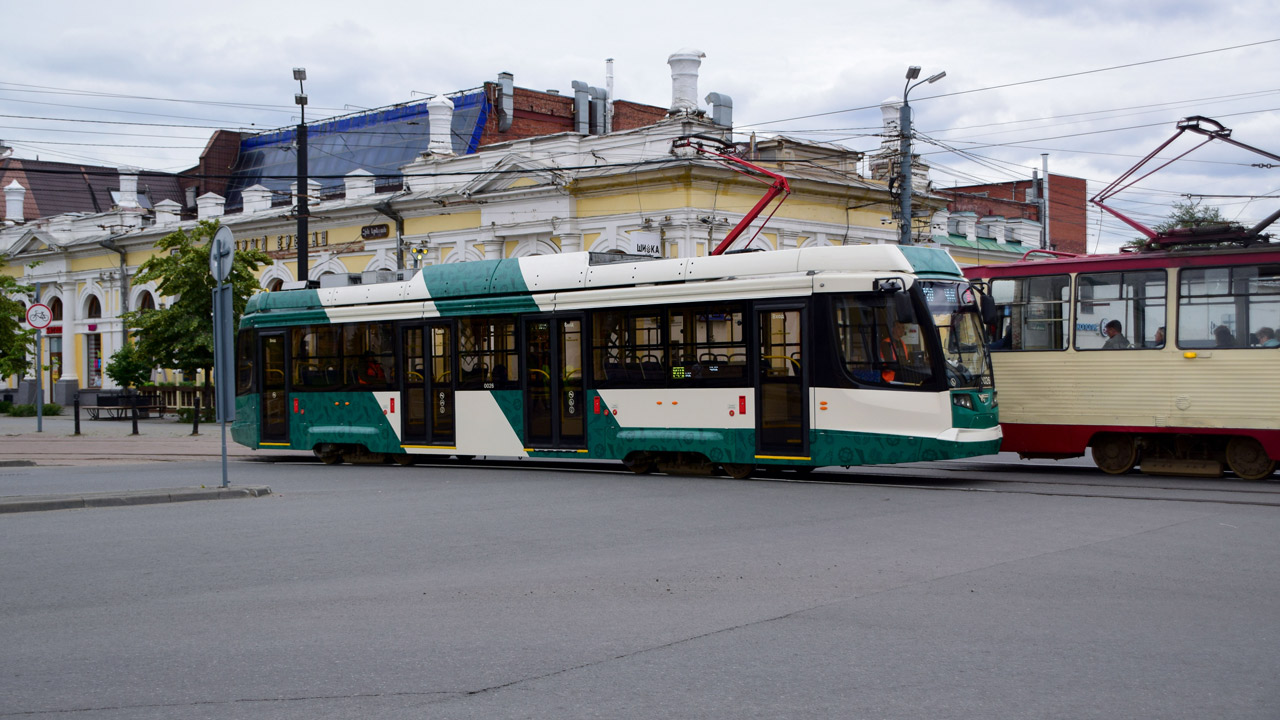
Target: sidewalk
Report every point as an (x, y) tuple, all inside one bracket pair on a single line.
[(111, 442)]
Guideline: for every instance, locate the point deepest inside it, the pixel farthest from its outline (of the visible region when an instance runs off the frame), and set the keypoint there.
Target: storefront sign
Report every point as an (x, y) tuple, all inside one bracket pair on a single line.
[(374, 232)]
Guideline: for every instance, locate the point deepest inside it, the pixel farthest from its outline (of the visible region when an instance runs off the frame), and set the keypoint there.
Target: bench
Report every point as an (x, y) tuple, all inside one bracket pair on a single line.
[(116, 406)]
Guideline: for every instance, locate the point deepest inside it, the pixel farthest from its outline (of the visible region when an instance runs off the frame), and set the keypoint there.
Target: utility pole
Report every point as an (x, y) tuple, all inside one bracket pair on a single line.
[(904, 122), (1045, 243), (303, 210)]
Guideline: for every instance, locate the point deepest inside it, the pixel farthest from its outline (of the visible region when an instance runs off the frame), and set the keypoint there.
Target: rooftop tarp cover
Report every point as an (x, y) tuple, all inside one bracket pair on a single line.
[(380, 142)]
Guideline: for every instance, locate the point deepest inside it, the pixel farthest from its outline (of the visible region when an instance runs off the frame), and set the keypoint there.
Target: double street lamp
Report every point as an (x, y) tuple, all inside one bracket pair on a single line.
[(904, 121), (303, 211)]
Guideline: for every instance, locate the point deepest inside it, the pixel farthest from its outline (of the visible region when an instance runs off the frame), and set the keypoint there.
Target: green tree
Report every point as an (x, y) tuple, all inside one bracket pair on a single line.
[(16, 343), (1190, 214), (181, 335), (1187, 214), (128, 368)]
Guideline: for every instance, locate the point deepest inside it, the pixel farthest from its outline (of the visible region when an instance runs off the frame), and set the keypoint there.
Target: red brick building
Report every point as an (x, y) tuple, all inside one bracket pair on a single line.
[(1020, 199)]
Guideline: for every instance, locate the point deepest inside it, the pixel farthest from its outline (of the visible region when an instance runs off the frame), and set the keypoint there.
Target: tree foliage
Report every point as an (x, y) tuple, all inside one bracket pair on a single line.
[(1187, 214), (1190, 214), (181, 335), (16, 343), (128, 368)]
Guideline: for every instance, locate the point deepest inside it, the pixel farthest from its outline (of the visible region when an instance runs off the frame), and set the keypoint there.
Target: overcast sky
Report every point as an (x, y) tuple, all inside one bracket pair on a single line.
[(812, 69)]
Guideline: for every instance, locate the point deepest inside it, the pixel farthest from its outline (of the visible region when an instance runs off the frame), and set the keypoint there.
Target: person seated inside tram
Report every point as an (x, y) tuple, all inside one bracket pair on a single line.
[(371, 372), (893, 350), (1222, 337), (1115, 339), (1158, 340), (1267, 337)]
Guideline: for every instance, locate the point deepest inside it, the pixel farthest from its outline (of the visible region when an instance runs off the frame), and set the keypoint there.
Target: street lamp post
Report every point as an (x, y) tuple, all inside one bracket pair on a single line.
[(904, 120), (303, 211)]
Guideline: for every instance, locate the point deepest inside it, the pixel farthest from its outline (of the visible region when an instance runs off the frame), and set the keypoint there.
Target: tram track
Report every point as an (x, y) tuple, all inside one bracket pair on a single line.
[(1062, 481)]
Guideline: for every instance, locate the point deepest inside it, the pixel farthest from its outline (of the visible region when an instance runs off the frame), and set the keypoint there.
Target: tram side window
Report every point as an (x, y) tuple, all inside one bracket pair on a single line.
[(1034, 312), (244, 362), (708, 343), (1229, 307), (627, 348), (1135, 300), (317, 357), (877, 345), (369, 353), (488, 358)]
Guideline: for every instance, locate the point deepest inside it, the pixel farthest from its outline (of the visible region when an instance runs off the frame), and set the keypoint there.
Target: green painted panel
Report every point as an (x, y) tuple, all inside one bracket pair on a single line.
[(342, 418), (244, 429), (930, 260), (480, 277), (277, 309), (285, 319), (508, 278), (511, 402), (501, 305)]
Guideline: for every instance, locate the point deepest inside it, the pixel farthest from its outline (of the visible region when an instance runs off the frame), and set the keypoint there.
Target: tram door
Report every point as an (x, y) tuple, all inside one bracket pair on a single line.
[(782, 395), (275, 396), (427, 391), (554, 400)]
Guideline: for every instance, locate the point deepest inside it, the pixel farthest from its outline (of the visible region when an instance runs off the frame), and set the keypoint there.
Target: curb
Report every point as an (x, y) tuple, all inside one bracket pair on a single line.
[(72, 501)]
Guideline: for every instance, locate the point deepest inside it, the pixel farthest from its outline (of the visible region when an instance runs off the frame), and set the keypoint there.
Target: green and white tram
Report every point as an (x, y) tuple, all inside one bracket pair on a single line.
[(796, 358)]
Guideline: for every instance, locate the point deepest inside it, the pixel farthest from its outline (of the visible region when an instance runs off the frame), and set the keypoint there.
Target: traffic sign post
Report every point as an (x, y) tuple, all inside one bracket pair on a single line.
[(221, 256), (39, 316)]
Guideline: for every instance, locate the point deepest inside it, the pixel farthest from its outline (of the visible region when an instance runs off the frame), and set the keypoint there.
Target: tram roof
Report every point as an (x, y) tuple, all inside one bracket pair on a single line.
[(592, 271), (1118, 262)]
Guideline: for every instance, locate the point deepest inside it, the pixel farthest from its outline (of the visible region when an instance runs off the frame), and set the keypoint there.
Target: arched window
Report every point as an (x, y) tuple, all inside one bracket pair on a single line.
[(55, 308), (146, 301), (93, 343), (275, 285)]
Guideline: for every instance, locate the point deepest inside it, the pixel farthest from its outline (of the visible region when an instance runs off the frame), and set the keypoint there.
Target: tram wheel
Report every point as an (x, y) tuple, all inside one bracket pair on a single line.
[(328, 455), (1115, 454), (1248, 459), (405, 459), (738, 471), (640, 463)]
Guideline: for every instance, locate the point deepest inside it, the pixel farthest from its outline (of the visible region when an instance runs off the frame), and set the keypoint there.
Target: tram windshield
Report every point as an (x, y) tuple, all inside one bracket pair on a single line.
[(954, 308)]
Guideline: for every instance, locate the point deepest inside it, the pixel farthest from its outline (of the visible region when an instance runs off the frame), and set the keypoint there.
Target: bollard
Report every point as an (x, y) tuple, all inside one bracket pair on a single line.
[(76, 402), (195, 424), (134, 413)]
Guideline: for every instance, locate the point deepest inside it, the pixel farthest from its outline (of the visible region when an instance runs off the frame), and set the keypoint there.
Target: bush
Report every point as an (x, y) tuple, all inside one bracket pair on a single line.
[(30, 410), (5, 406), (186, 415)]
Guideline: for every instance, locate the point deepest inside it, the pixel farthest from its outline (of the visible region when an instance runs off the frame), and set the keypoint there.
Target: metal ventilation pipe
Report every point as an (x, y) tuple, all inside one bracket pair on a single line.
[(506, 107), (581, 107), (721, 109)]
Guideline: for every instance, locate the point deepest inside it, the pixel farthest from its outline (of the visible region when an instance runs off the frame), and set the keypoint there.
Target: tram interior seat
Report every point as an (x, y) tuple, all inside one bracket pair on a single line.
[(613, 370), (651, 367)]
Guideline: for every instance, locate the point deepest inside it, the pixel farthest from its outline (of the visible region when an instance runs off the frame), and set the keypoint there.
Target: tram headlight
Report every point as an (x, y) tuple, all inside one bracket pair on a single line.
[(964, 400)]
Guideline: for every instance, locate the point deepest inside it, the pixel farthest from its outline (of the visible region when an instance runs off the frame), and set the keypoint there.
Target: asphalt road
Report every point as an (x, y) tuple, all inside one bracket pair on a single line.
[(465, 592)]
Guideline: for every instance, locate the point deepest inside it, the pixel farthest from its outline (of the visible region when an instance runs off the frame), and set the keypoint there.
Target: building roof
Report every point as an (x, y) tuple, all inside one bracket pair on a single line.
[(55, 188), (380, 142)]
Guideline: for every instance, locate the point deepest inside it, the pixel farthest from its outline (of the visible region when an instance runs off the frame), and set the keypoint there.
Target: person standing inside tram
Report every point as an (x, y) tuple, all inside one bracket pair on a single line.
[(1115, 338)]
